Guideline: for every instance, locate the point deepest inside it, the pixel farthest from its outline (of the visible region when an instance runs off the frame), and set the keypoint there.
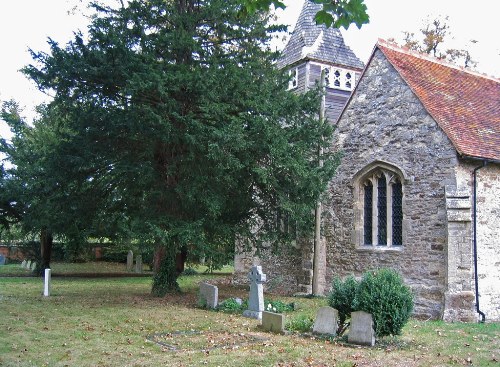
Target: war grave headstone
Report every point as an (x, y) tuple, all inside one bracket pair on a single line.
[(33, 266), (256, 296), (28, 264), (130, 260), (209, 295), (47, 280), (23, 264), (361, 329), (326, 321), (2, 259), (273, 322), (138, 264)]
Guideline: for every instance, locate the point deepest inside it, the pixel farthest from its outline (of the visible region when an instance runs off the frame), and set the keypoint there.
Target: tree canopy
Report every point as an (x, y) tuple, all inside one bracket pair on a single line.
[(170, 123), (433, 36)]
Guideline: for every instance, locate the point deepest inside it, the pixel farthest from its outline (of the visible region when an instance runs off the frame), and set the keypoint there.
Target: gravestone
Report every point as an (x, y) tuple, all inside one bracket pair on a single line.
[(361, 329), (256, 297), (130, 260), (138, 264), (326, 321), (2, 259), (23, 264), (28, 264), (46, 288), (273, 322), (33, 266), (209, 295)]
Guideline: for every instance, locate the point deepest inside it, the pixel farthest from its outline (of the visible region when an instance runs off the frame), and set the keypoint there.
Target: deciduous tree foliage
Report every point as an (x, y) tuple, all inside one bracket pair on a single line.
[(171, 119), (432, 38), (334, 13)]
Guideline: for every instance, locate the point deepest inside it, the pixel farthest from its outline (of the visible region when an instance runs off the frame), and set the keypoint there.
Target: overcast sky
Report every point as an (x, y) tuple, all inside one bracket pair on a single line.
[(27, 24)]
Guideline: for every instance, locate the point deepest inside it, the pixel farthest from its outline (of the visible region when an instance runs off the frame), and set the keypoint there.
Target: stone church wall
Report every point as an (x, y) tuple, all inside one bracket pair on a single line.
[(488, 232), (385, 122)]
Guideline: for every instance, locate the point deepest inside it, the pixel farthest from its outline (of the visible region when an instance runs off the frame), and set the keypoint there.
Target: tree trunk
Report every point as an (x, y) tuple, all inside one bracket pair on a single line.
[(158, 257), (168, 265), (46, 241)]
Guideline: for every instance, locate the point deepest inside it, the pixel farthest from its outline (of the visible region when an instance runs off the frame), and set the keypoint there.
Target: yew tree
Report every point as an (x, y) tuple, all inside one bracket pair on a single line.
[(171, 116)]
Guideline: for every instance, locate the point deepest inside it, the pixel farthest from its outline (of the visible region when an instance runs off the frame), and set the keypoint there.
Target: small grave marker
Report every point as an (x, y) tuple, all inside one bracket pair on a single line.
[(138, 264), (256, 298), (33, 266), (209, 294), (326, 321), (361, 329), (273, 322), (2, 259), (46, 288), (23, 264), (28, 264), (130, 260)]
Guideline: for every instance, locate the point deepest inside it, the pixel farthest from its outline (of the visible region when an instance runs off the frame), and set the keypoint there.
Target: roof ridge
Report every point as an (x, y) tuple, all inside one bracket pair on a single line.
[(395, 47)]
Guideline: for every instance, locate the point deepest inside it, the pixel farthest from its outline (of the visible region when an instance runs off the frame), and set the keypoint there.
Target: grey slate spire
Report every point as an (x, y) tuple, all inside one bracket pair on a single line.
[(317, 42)]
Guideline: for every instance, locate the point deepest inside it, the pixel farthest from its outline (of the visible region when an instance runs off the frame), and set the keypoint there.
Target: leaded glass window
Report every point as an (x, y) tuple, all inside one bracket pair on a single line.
[(381, 202), (397, 214), (368, 213), (382, 211)]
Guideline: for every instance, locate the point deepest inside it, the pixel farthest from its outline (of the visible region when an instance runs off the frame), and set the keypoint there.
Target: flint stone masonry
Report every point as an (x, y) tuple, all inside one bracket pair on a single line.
[(361, 329), (256, 296), (488, 236), (326, 321), (130, 260), (209, 295), (273, 322)]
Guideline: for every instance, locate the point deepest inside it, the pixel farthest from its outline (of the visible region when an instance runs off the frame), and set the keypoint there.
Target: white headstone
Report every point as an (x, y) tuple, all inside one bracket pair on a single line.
[(23, 264), (138, 264), (28, 264), (326, 321), (46, 288), (209, 294), (2, 259), (361, 329), (33, 266), (256, 297), (130, 261)]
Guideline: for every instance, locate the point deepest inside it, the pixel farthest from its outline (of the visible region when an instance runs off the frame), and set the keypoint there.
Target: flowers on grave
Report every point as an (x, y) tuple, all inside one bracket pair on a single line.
[(278, 306)]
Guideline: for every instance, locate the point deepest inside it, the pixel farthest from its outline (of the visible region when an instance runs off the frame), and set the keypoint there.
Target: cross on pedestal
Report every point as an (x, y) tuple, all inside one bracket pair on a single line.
[(256, 297)]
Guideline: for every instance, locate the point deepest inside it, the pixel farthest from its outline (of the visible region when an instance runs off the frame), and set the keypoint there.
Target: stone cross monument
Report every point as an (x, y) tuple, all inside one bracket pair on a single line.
[(256, 298)]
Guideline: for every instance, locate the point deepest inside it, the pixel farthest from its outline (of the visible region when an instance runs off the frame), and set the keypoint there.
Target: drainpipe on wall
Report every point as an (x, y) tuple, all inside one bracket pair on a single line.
[(317, 223), (483, 316)]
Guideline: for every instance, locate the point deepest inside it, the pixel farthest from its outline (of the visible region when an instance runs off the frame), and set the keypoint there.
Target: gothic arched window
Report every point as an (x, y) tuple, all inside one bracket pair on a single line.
[(382, 208)]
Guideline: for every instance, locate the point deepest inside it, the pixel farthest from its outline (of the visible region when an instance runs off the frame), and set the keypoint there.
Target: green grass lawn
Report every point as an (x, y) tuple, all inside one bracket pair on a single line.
[(111, 321)]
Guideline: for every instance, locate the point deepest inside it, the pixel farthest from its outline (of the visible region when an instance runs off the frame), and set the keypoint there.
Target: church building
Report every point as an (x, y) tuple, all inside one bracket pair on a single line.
[(418, 186)]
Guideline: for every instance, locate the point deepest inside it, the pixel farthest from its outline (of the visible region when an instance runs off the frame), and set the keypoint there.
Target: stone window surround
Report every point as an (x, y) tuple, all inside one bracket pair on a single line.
[(369, 172)]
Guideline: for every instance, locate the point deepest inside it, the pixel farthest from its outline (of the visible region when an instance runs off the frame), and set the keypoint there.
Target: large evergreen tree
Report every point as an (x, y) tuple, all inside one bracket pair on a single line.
[(172, 117)]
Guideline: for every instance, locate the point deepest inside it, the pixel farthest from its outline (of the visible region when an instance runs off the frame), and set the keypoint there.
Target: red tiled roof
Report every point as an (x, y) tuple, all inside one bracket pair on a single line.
[(466, 105)]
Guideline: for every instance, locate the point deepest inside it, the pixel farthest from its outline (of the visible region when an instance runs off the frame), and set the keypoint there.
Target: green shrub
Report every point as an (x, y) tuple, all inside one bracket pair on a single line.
[(189, 272), (232, 305), (341, 298), (383, 294), (301, 323)]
